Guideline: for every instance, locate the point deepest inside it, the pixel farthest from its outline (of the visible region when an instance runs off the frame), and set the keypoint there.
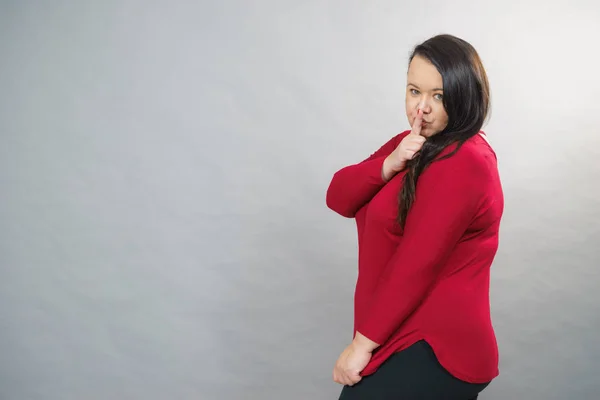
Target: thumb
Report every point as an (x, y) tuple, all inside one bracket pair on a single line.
[(355, 375)]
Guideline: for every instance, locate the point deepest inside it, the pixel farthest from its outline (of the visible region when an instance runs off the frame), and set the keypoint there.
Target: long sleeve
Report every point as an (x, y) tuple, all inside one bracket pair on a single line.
[(447, 198), (353, 186)]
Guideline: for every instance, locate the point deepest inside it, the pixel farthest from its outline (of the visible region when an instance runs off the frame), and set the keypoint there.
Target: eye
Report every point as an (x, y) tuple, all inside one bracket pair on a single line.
[(438, 96), (414, 91)]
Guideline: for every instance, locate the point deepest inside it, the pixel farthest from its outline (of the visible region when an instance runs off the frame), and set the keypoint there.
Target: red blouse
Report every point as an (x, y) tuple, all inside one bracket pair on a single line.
[(431, 280)]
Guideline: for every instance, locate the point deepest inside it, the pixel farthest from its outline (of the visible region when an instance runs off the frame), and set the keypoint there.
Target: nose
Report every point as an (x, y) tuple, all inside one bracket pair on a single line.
[(424, 105)]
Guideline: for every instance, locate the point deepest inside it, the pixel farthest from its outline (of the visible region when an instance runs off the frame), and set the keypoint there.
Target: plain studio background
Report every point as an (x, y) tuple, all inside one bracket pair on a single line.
[(164, 233)]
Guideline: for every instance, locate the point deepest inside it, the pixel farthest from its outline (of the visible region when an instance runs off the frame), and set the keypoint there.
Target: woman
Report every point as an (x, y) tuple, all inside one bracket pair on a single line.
[(427, 206)]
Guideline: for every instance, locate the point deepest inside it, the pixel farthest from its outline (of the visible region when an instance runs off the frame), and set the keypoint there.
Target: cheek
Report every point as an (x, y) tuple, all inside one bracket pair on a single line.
[(411, 105), (441, 117)]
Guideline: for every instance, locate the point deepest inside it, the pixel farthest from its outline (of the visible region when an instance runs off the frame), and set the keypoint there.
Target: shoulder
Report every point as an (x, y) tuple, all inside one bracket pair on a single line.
[(474, 160), (399, 136), (402, 135), (394, 141), (474, 150)]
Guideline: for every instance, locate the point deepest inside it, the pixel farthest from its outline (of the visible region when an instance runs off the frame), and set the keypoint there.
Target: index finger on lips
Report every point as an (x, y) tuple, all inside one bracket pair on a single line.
[(416, 128)]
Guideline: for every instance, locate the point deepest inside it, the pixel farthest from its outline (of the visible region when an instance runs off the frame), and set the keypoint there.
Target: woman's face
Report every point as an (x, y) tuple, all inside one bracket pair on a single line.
[(424, 90)]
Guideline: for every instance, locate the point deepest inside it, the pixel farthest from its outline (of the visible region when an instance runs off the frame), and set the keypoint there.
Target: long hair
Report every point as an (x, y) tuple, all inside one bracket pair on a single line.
[(466, 100)]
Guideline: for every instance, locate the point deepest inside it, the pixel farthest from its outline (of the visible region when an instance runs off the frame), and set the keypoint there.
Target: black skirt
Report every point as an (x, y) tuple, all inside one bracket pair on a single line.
[(412, 374)]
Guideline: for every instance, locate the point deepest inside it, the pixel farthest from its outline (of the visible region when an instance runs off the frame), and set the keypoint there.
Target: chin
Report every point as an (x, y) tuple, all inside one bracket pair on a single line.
[(428, 132)]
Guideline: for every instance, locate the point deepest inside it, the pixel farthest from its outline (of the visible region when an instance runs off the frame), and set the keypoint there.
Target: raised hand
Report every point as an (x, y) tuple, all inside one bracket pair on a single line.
[(406, 150)]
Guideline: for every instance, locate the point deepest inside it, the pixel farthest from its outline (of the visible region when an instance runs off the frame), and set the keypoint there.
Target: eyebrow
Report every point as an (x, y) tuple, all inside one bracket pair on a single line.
[(435, 89)]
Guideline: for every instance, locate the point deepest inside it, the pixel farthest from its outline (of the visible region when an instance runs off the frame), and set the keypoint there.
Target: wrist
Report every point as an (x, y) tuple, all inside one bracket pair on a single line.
[(387, 172), (363, 343)]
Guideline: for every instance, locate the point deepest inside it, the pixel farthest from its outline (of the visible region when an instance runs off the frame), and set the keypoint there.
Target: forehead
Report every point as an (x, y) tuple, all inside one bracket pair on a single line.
[(424, 74)]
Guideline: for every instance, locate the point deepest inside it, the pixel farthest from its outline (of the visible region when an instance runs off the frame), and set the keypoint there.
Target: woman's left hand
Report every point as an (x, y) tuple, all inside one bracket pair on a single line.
[(353, 360)]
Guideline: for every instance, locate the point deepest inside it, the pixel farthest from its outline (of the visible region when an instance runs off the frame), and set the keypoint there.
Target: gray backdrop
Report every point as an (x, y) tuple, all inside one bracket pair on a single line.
[(164, 233)]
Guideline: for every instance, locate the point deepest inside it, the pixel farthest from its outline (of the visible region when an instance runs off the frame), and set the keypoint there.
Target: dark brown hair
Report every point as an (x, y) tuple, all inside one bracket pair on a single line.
[(466, 100)]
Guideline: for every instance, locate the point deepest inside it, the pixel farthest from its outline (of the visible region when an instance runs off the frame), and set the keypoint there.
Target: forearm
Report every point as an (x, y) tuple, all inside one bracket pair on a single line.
[(354, 186)]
